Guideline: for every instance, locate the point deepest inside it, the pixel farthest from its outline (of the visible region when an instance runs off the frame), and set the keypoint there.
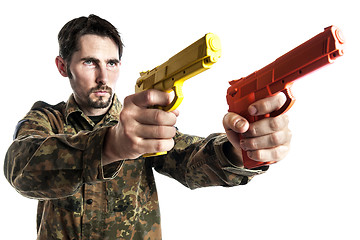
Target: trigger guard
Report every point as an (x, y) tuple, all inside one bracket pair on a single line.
[(177, 99), (290, 100)]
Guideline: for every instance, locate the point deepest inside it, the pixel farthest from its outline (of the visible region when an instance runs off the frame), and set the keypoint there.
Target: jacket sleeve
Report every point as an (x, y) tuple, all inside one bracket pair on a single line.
[(201, 162), (44, 164)]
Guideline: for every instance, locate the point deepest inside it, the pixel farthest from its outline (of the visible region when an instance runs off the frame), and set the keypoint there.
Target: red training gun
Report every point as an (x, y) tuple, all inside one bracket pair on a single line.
[(279, 76)]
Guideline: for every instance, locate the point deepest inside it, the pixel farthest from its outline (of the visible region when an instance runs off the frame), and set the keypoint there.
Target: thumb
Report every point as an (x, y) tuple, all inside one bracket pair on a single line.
[(235, 123)]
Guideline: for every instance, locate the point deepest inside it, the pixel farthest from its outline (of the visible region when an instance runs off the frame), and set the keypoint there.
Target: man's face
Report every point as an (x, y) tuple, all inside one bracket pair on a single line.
[(94, 71)]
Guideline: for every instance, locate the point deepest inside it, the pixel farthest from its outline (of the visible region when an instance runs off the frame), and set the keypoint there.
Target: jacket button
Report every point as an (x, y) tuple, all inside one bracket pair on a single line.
[(89, 201)]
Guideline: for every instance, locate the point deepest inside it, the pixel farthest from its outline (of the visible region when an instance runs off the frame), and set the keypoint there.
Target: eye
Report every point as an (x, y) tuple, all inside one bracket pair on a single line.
[(88, 62), (112, 64)]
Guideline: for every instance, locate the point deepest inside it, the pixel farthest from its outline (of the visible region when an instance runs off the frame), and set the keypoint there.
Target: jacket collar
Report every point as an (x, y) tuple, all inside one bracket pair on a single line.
[(111, 115)]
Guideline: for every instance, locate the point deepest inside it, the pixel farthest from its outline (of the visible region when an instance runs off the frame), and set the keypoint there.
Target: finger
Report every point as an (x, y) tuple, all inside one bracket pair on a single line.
[(269, 155), (155, 132), (268, 141), (156, 117), (267, 105), (158, 145), (176, 112), (235, 123), (267, 126), (152, 97)]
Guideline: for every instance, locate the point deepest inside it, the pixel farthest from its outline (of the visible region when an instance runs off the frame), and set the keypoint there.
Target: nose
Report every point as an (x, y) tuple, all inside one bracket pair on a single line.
[(102, 77)]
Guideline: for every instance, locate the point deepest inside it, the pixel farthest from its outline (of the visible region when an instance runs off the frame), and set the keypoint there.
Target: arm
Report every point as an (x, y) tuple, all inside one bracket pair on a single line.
[(43, 163), (202, 162), (193, 161), (217, 160)]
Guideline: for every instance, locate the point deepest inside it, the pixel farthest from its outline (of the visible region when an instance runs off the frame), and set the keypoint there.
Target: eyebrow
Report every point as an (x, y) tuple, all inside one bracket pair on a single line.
[(95, 60)]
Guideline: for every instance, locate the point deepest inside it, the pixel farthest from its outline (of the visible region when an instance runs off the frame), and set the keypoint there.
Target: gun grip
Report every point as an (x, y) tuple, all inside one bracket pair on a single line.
[(154, 154), (290, 100), (171, 107)]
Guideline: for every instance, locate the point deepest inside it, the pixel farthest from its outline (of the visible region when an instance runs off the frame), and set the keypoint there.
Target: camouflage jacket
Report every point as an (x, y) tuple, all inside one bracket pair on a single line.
[(56, 158)]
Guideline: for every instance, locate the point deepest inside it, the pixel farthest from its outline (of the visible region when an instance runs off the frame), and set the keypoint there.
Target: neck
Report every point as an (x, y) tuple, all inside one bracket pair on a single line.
[(95, 111)]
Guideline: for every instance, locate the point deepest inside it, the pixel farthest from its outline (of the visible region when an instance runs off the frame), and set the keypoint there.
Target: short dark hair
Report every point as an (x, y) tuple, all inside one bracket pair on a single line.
[(71, 32)]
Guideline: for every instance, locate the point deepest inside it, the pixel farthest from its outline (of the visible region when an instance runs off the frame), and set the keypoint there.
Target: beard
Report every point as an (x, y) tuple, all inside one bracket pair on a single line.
[(100, 101)]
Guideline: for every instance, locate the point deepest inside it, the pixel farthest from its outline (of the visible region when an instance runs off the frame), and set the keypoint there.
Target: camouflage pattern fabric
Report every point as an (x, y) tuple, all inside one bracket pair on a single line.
[(56, 158)]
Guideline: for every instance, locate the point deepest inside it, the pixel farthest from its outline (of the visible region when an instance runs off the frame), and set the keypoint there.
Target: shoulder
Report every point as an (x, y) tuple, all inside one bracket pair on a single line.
[(40, 106), (45, 117)]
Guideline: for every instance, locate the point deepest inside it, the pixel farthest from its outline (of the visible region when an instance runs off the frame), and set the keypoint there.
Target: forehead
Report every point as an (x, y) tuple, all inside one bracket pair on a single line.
[(97, 46)]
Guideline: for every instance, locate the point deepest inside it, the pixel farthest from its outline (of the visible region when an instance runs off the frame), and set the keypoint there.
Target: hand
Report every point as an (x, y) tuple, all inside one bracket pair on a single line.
[(141, 129), (265, 140)]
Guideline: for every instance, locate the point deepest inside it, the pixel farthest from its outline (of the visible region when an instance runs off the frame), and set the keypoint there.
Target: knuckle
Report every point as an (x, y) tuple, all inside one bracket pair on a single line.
[(164, 118), (266, 107), (276, 138), (252, 144), (128, 133), (158, 116), (252, 130), (124, 115), (149, 97), (289, 133), (274, 154), (275, 124), (160, 132), (127, 100), (133, 144), (165, 145), (255, 155), (159, 146), (128, 130)]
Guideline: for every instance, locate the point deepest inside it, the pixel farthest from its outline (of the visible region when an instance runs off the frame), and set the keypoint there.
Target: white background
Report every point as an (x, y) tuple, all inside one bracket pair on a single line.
[(312, 194)]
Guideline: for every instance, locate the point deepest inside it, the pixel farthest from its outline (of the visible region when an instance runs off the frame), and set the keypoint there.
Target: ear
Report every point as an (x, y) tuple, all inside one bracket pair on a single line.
[(61, 66)]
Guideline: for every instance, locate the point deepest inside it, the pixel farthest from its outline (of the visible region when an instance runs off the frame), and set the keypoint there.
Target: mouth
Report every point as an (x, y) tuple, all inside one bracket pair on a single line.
[(101, 93)]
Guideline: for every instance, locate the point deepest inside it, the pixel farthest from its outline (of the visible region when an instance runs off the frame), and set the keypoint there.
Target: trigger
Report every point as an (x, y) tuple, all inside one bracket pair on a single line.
[(177, 99), (290, 100)]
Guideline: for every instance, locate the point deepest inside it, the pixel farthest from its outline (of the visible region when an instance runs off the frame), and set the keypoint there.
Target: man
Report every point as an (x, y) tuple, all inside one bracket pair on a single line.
[(83, 159)]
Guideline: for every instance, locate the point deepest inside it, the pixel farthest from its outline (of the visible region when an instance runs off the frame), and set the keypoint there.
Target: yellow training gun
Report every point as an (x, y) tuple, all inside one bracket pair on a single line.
[(170, 75)]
